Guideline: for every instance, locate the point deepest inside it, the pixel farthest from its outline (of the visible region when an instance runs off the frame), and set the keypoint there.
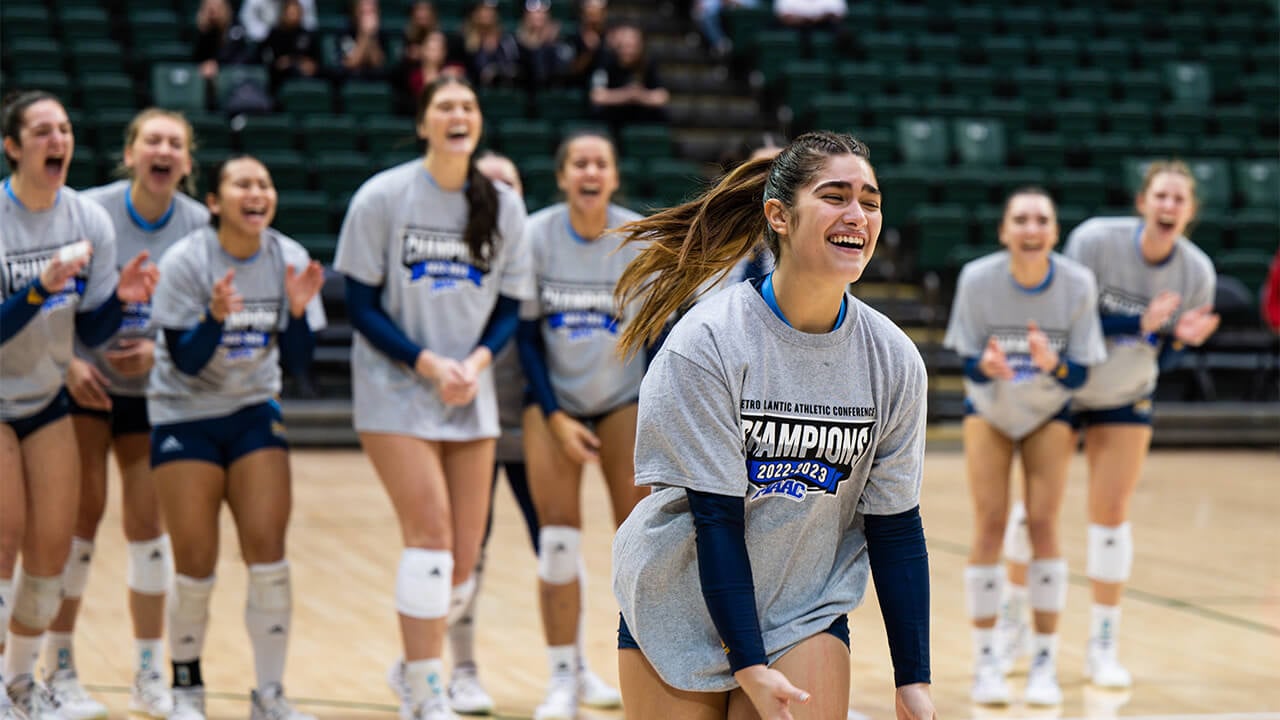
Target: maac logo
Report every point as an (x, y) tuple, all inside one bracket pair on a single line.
[(579, 312), (792, 456), (440, 257)]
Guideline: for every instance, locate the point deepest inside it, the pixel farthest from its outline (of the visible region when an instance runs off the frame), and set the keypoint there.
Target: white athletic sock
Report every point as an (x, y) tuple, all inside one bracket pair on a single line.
[(1104, 627), (266, 617), (1044, 647), (58, 652), (984, 646), (150, 654), (1015, 603), (562, 659), (462, 633), (582, 616), (424, 679), (21, 654)]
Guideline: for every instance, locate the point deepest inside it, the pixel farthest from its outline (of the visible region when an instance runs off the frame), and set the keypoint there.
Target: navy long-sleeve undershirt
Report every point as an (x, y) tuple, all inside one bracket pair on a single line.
[(364, 307), (900, 569)]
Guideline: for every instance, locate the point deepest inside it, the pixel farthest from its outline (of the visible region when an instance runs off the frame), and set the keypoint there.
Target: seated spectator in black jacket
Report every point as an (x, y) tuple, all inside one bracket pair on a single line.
[(259, 17), (588, 43), (627, 89), (290, 50), (219, 41), (542, 53), (493, 56), (363, 46)]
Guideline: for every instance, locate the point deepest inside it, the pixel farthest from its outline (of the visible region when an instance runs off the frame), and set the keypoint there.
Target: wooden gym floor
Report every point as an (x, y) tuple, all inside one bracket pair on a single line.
[(1201, 627)]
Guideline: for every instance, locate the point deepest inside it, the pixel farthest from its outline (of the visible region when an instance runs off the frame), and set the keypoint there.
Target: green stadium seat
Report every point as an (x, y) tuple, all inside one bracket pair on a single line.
[(523, 139), (1079, 24), (85, 170), (1209, 232), (1085, 188), (1121, 24), (631, 174), (364, 98), (1129, 117), (1113, 53), (834, 111), (559, 104), (921, 80), (1213, 183), (212, 131), (884, 110), (1106, 151), (986, 221), (950, 106), (908, 187), (1225, 63), (147, 25), (1037, 85), (1015, 113), (674, 180), (1258, 182), (973, 22), (266, 132), (940, 50), (499, 104), (106, 91), (329, 133), (744, 24), (970, 185), (970, 81), (1057, 52), (938, 229), (321, 246), (646, 141), (1075, 117), (83, 20), (95, 55), (1156, 55), (923, 141), (177, 86), (1236, 29), (1189, 83), (395, 157), (1247, 266), (1257, 229), (299, 212), (289, 169), (1143, 86), (108, 126), (1046, 150), (1005, 51), (35, 53), (1186, 120), (908, 19), (539, 176), (1231, 147), (1092, 84), (306, 96), (801, 80), (774, 48), (861, 77), (979, 142), (1236, 120), (340, 173), (1185, 28), (232, 76), (890, 48), (24, 20), (1023, 19), (159, 51), (389, 134)]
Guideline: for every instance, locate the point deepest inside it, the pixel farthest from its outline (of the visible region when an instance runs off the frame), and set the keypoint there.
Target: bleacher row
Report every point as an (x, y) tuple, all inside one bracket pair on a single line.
[(962, 101)]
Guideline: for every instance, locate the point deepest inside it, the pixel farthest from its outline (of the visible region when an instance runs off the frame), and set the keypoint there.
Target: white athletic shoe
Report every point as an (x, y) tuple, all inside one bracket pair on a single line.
[(466, 694), (989, 685), (435, 708), (31, 699), (1102, 704), (1042, 683), (1014, 641), (7, 709), (561, 702), (270, 704), (396, 681), (150, 695), (72, 700), (188, 703), (1104, 670), (594, 692)]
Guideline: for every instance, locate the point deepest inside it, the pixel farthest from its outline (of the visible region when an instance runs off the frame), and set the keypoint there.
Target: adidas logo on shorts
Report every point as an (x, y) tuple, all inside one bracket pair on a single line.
[(170, 444)]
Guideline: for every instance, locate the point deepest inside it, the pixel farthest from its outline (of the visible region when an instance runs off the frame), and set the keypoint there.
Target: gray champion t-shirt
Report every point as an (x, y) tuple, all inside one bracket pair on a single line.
[(404, 234), (1126, 286), (576, 312), (131, 239), (812, 430), (33, 363), (988, 303), (245, 369)]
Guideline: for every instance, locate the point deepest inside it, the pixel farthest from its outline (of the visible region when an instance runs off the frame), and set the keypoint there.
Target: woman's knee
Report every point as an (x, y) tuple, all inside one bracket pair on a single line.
[(1043, 532)]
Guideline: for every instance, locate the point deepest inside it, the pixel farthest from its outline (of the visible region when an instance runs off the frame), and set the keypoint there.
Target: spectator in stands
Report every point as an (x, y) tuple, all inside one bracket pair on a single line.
[(628, 89), (542, 54), (588, 42), (219, 40), (493, 55), (260, 17), (809, 14), (1271, 296), (432, 61), (1025, 322), (1155, 299), (707, 15), (291, 50), (363, 46)]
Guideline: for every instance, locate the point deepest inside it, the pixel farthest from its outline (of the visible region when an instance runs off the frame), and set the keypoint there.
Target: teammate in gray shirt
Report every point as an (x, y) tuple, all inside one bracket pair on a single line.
[(234, 303), (1025, 322), (781, 427), (436, 268), (1155, 298), (583, 404), (59, 281), (109, 410)]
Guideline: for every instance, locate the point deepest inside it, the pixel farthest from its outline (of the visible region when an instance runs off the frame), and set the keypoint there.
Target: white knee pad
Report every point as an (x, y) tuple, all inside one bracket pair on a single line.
[(423, 583), (1110, 552), (269, 588), (1017, 541), (75, 574), (460, 598), (150, 566), (36, 600), (983, 584), (190, 601), (558, 550), (1047, 584)]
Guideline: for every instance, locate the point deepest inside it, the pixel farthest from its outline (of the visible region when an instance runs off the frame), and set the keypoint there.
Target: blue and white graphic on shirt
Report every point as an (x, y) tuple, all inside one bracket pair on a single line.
[(137, 315), (1016, 347), (21, 268), (794, 449), (440, 256), (246, 333), (1114, 301), (579, 312)]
